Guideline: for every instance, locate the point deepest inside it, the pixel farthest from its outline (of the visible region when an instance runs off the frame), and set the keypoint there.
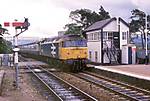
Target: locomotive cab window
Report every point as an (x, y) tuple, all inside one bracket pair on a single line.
[(75, 43)]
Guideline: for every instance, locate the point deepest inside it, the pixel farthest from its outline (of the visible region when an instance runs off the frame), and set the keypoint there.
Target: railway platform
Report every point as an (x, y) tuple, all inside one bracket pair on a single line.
[(139, 71), (1, 79), (29, 63)]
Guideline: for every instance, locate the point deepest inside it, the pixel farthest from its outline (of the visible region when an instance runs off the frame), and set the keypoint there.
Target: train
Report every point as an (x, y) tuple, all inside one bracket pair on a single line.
[(71, 49)]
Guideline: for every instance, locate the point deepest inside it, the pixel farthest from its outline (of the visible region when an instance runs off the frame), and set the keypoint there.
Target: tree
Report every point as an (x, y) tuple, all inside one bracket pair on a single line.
[(137, 23), (83, 18), (104, 15), (73, 28), (5, 46)]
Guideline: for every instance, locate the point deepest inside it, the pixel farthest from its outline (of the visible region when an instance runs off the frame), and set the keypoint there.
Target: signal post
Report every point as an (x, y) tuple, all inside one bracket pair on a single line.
[(20, 27)]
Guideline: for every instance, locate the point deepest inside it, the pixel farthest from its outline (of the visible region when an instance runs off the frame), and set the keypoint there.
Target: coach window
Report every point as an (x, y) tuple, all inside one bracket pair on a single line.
[(90, 55)]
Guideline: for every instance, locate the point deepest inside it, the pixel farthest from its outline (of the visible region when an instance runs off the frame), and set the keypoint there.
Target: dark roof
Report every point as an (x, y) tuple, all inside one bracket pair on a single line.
[(99, 24)]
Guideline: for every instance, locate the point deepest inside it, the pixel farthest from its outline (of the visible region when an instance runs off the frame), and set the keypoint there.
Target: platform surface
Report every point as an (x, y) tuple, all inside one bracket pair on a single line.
[(138, 71), (1, 79), (29, 63), (1, 76)]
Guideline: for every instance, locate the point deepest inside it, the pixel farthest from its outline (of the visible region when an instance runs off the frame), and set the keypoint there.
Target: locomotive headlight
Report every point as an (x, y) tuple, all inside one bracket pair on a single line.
[(78, 56)]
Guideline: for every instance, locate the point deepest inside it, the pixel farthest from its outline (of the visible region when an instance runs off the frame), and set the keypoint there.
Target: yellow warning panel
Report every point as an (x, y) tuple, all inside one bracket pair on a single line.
[(73, 53)]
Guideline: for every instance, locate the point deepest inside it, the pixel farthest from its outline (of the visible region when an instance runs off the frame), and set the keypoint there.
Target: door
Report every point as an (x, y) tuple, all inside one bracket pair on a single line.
[(130, 55), (116, 39)]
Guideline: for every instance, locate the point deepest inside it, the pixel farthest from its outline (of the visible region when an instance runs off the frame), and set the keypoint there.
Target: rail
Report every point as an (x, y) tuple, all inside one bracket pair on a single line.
[(127, 91), (60, 88)]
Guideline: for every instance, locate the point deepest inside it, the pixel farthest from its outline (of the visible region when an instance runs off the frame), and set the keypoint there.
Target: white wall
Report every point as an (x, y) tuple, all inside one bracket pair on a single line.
[(111, 27), (123, 28), (94, 46), (124, 55)]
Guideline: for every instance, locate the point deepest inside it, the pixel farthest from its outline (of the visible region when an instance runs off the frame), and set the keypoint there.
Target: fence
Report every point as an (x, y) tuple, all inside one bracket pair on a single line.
[(6, 60)]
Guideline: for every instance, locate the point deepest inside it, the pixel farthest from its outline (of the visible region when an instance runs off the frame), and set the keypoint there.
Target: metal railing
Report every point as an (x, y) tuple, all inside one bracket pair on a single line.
[(6, 60), (112, 52)]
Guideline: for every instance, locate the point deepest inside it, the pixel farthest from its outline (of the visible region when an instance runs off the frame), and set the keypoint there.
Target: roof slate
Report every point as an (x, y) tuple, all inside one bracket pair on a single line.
[(99, 24)]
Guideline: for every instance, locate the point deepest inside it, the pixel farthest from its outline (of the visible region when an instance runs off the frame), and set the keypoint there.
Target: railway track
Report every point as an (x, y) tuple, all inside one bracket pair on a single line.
[(62, 90), (124, 90)]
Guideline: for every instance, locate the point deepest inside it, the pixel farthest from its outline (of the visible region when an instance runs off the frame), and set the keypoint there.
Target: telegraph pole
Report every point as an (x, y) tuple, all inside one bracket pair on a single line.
[(146, 44)]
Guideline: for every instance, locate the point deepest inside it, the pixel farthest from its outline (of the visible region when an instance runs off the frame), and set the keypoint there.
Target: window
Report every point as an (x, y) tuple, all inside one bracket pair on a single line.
[(110, 35), (124, 36), (105, 35), (99, 35), (96, 56), (75, 43), (90, 36), (96, 36), (90, 55)]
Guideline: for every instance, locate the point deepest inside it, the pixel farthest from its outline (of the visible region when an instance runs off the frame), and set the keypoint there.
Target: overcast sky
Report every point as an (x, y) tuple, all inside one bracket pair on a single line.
[(47, 17)]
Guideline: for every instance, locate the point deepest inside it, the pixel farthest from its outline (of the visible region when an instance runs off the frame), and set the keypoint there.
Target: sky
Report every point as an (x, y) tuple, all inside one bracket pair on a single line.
[(47, 17)]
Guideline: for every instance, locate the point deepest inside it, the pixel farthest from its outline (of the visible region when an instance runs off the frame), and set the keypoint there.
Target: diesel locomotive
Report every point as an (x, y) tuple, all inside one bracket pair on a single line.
[(71, 49)]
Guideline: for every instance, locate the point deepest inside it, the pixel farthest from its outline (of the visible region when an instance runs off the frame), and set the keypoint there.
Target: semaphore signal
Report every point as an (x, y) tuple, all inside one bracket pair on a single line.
[(13, 24), (20, 27), (23, 26)]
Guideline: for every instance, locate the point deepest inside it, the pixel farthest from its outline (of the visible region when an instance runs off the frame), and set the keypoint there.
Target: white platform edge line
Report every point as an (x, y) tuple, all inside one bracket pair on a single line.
[(124, 73)]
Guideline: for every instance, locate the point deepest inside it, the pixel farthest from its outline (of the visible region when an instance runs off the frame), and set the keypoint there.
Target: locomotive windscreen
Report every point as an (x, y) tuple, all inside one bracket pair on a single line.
[(75, 43)]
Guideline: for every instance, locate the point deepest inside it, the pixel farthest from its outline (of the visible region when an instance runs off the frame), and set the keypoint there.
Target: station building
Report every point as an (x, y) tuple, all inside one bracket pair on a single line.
[(105, 40)]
